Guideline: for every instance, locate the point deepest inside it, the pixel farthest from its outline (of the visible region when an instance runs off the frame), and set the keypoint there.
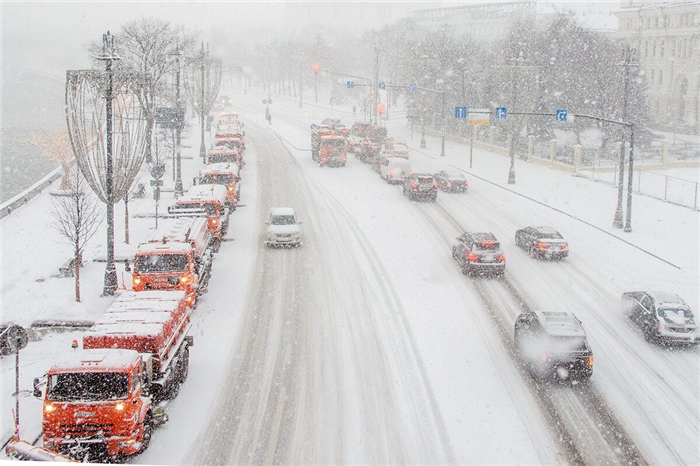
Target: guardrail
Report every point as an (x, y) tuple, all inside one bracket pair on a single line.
[(23, 198)]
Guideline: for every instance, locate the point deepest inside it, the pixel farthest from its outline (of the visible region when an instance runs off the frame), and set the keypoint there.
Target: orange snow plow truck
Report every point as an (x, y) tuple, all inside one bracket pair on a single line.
[(177, 257), (328, 147), (101, 401), (209, 200), (226, 175)]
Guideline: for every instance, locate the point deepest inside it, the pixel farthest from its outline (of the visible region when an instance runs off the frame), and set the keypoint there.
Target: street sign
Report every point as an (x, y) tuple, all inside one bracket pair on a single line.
[(501, 113), (156, 182), (460, 112), (412, 87), (478, 116), (351, 84), (170, 117), (326, 72), (16, 338), (382, 85), (561, 115), (314, 126)]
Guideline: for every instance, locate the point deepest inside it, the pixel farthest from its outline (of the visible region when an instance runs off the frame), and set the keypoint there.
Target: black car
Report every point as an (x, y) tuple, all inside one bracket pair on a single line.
[(480, 253), (542, 242), (225, 100), (452, 182), (553, 343), (663, 317), (420, 186)]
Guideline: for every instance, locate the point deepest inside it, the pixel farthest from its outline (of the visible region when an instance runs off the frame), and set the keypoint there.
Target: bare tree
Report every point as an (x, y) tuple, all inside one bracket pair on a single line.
[(77, 217), (56, 146)]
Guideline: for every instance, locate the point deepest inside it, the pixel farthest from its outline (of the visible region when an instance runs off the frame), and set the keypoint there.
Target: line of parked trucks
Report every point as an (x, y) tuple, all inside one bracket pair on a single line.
[(103, 401)]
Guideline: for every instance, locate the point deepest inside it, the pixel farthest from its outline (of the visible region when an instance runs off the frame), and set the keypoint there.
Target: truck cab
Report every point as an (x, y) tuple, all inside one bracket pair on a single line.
[(224, 174), (97, 405), (228, 150), (333, 151), (212, 200)]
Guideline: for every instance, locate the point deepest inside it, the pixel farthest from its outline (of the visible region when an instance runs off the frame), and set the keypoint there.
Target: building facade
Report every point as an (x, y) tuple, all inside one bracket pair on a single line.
[(666, 41)]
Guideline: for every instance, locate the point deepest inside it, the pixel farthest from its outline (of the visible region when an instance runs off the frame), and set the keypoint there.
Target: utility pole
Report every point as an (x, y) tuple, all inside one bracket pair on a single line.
[(376, 82), (442, 150), (301, 85), (513, 135), (109, 55), (628, 224), (617, 221)]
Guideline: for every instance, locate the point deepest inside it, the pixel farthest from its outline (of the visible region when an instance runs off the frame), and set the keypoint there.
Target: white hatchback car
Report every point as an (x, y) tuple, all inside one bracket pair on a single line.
[(395, 169), (283, 228)]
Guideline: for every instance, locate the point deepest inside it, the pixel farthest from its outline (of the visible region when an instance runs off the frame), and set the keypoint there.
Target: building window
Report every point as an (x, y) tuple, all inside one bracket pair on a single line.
[(653, 50), (656, 22), (661, 76), (651, 77), (672, 47), (646, 48), (662, 48)]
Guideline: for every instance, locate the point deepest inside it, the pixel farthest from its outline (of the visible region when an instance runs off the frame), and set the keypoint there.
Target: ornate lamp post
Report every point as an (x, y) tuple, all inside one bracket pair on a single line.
[(178, 130), (202, 57), (109, 55)]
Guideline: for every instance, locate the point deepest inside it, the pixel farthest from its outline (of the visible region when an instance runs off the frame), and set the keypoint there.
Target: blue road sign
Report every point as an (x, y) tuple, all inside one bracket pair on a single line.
[(561, 115), (460, 112), (501, 113), (382, 85), (351, 84), (314, 126), (412, 87)]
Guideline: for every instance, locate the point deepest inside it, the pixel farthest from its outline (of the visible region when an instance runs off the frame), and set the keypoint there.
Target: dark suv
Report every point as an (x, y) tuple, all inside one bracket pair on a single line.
[(480, 253), (663, 317), (420, 186), (553, 343)]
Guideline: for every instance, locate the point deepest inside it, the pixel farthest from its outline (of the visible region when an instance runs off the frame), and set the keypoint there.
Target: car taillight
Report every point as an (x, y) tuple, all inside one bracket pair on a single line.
[(449, 183), (472, 257), (415, 185), (391, 172), (542, 245), (465, 183), (658, 326), (502, 257), (565, 246), (544, 358), (230, 188), (590, 361), (435, 185), (137, 281)]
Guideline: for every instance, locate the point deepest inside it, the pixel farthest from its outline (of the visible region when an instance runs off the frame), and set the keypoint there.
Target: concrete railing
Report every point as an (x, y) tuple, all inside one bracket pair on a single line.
[(23, 198)]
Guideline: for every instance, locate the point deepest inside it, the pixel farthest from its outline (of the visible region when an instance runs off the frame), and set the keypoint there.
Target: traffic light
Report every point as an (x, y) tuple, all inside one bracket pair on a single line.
[(380, 108), (316, 68)]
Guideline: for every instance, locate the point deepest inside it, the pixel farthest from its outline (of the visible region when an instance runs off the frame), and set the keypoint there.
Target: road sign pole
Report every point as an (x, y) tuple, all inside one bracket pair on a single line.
[(17, 388), (628, 224), (471, 147)]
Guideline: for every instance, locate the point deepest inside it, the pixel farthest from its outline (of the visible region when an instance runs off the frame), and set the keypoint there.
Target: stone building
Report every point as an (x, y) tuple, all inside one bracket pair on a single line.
[(666, 39)]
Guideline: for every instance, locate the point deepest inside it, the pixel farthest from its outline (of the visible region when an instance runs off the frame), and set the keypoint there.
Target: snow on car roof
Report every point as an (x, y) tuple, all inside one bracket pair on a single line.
[(97, 360), (561, 323), (282, 211), (548, 230), (666, 297), (176, 229)]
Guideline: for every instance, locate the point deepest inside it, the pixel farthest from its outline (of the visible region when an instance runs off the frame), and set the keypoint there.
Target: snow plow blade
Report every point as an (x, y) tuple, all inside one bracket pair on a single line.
[(25, 451)]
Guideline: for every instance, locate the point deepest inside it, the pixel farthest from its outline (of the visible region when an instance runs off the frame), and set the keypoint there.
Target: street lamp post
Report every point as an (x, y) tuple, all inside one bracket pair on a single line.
[(316, 68), (202, 147), (628, 223), (109, 55), (513, 135), (178, 105), (617, 221)]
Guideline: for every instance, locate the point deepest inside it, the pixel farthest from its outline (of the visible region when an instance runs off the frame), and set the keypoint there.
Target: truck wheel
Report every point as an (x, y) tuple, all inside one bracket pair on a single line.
[(173, 389), (216, 244), (147, 433), (183, 366)]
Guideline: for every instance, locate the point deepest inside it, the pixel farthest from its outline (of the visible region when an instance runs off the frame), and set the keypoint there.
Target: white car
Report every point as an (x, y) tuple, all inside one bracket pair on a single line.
[(283, 228), (395, 169)]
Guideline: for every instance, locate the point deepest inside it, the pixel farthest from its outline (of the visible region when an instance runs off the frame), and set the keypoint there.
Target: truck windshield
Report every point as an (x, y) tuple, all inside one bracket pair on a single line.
[(222, 158), (334, 143), (215, 179), (88, 386), (161, 263)]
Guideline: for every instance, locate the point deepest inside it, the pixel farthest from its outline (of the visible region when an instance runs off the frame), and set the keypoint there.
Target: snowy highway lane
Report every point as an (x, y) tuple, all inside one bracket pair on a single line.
[(314, 378)]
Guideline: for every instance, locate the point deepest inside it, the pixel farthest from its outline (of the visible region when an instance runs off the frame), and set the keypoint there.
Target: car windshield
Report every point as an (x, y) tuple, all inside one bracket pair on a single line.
[(487, 246), (674, 313), (561, 344), (215, 179), (155, 263), (88, 386), (550, 235), (282, 220), (425, 179)]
